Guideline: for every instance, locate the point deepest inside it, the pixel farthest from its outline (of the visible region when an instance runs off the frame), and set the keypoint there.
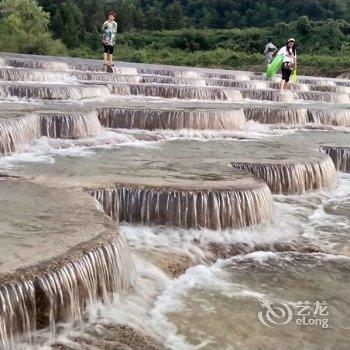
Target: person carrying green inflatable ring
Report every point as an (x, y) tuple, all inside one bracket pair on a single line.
[(289, 61)]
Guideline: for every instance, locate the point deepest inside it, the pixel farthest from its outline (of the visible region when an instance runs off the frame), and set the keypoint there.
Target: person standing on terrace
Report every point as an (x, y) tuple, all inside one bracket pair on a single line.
[(109, 31), (269, 51), (289, 54)]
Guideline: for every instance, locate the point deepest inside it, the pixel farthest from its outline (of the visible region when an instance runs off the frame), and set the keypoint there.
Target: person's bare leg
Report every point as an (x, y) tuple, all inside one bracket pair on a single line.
[(282, 85), (105, 58), (286, 85), (111, 59)]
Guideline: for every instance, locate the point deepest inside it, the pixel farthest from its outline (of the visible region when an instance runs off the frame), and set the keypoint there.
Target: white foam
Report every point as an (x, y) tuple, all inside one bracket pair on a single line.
[(251, 131), (204, 278), (45, 149), (284, 228), (330, 230)]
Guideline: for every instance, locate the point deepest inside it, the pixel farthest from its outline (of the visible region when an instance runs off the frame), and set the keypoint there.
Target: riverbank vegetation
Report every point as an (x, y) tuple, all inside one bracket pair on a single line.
[(228, 34)]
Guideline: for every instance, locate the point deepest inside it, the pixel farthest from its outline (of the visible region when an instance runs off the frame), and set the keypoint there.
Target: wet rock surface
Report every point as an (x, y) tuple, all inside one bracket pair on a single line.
[(112, 337)]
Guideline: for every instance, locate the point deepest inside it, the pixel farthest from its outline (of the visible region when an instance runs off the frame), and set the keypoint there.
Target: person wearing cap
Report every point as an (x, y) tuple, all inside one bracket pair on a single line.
[(269, 51), (109, 31), (289, 61)]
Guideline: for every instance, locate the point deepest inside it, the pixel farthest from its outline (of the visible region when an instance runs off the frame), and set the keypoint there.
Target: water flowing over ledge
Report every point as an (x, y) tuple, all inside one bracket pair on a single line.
[(322, 81), (18, 133), (51, 91), (177, 91), (150, 119), (335, 117), (97, 67), (106, 77), (339, 155), (216, 209), (240, 84), (40, 75), (292, 87), (276, 115), (298, 116), (322, 96), (170, 72), (70, 126), (36, 64), (269, 95), (293, 178), (60, 290), (155, 79), (334, 89)]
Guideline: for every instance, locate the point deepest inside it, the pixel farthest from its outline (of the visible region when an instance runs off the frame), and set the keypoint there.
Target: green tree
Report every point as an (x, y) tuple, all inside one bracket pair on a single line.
[(154, 20), (303, 26), (72, 17), (174, 16), (57, 25), (24, 28)]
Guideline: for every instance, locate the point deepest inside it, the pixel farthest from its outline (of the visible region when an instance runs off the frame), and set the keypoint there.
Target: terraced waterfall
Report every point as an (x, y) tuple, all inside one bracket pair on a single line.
[(161, 207)]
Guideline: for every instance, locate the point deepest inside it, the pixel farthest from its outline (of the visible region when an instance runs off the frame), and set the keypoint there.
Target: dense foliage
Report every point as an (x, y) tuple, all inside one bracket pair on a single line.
[(175, 14), (228, 33), (24, 27), (78, 21), (312, 37)]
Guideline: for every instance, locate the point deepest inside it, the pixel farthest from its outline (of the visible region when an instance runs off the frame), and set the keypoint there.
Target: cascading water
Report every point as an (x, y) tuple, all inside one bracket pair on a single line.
[(269, 95), (322, 96), (19, 74), (52, 92), (293, 87), (240, 84), (37, 64), (342, 83), (125, 70), (18, 133), (70, 126), (276, 115), (59, 256), (148, 79), (228, 76), (86, 67), (170, 72), (176, 91), (61, 291), (336, 117), (106, 77), (293, 178), (339, 155), (128, 118), (334, 89), (214, 209), (316, 81), (17, 314)]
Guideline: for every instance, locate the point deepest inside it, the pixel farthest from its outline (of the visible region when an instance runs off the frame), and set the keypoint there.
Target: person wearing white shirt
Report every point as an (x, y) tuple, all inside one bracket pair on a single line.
[(289, 61), (269, 51)]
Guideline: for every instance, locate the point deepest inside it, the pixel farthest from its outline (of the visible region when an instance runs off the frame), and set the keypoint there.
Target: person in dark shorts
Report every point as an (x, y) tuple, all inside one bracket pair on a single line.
[(109, 31), (289, 61)]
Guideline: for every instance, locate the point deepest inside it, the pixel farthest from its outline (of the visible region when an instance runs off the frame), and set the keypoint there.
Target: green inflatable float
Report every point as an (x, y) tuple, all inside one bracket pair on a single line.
[(275, 66)]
